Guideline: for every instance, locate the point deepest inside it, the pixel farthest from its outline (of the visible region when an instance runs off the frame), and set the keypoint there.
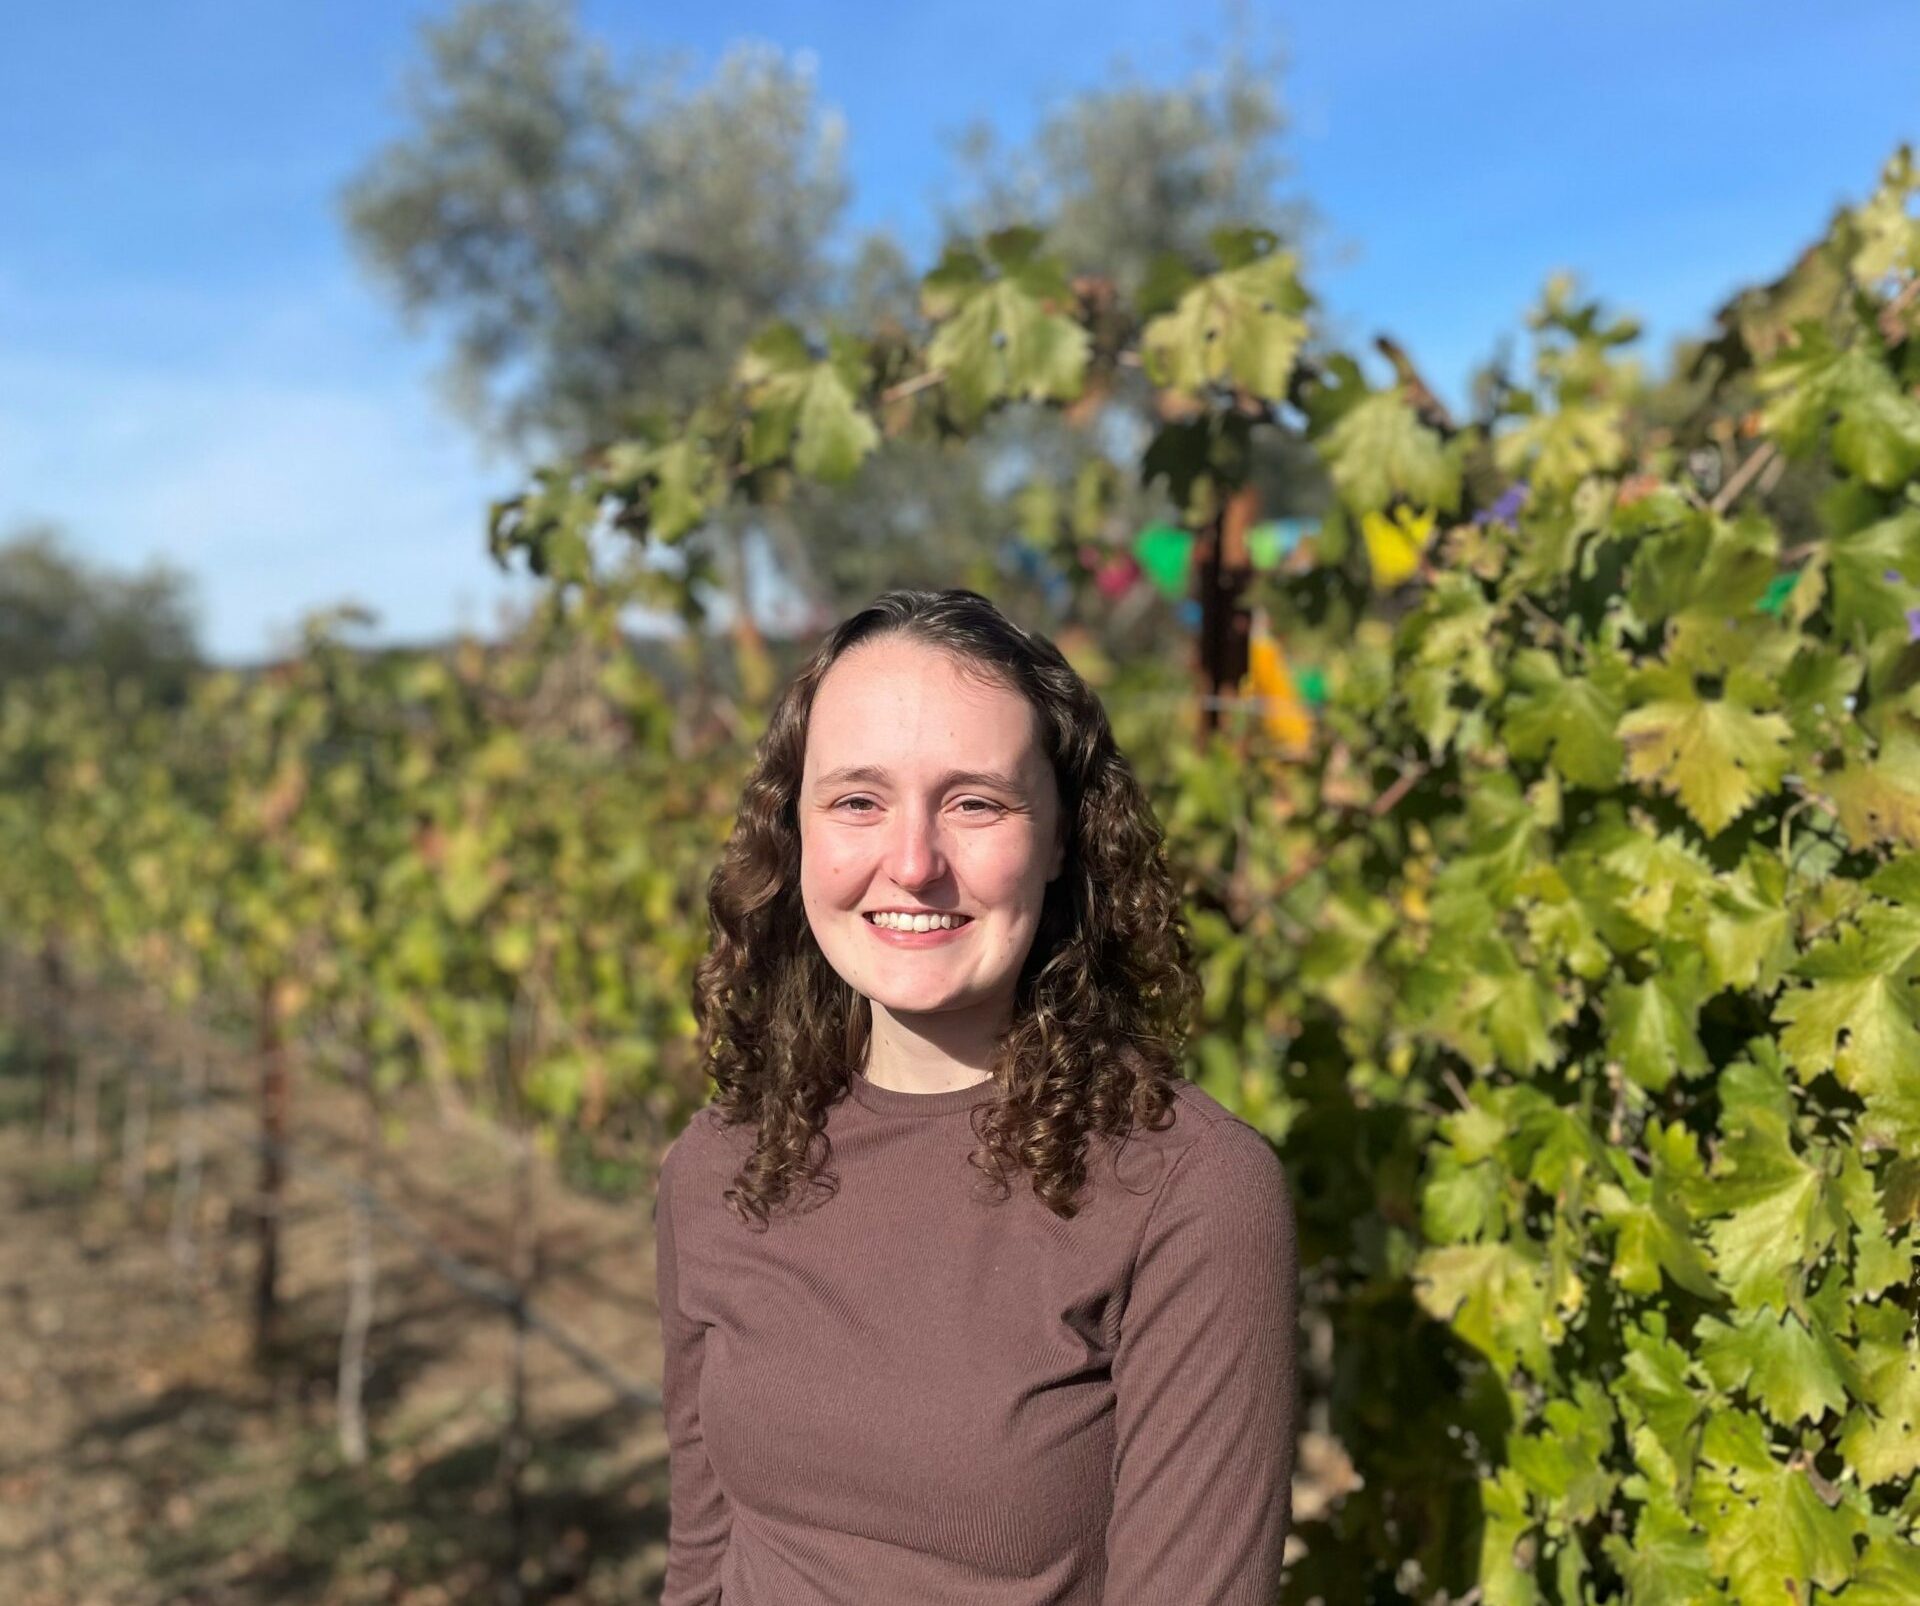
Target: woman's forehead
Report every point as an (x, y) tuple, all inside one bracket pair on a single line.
[(917, 710), (910, 680)]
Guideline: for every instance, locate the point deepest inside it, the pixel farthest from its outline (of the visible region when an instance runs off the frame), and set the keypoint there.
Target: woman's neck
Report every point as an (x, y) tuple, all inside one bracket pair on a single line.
[(933, 1053)]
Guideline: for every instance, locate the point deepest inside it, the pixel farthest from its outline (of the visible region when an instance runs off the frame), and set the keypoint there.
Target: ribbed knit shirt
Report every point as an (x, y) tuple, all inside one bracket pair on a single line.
[(919, 1394)]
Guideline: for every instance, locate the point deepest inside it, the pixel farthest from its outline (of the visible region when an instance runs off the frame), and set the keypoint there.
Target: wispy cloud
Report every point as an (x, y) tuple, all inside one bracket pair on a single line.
[(308, 463)]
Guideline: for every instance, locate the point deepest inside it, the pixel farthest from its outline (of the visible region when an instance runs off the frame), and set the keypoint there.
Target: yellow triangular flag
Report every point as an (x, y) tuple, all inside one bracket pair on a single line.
[(1394, 544)]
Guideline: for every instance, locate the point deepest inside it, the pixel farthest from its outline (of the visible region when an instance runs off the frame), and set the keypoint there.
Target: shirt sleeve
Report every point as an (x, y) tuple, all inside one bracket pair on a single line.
[(1204, 1383), (700, 1520)]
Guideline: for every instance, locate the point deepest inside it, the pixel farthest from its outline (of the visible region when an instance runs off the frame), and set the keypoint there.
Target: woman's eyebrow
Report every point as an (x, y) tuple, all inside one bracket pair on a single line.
[(874, 774)]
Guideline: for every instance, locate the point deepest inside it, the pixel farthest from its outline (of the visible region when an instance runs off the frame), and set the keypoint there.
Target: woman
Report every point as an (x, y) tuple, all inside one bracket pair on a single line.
[(1032, 1339)]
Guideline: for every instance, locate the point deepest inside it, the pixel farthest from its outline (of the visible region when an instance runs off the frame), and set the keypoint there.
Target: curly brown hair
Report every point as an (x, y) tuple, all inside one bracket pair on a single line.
[(1103, 1002)]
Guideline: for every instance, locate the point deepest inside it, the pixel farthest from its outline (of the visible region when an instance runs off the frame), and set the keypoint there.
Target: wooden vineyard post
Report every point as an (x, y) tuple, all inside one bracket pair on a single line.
[(274, 1094), (56, 1054), (85, 1058), (351, 1375), (189, 1150), (519, 1052), (1222, 568), (136, 1112)]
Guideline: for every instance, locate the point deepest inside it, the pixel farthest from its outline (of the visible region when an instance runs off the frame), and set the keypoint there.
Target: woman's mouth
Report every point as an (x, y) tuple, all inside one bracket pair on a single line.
[(915, 931)]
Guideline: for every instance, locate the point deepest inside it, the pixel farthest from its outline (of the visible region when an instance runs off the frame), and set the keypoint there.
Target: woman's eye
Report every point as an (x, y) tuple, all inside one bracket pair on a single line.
[(979, 802)]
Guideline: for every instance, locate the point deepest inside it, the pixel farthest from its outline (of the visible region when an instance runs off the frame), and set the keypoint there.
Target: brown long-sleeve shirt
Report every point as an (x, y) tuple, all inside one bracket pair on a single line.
[(914, 1395)]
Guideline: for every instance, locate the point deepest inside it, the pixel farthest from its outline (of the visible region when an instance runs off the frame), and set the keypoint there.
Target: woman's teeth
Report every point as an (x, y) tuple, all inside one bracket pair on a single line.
[(895, 922)]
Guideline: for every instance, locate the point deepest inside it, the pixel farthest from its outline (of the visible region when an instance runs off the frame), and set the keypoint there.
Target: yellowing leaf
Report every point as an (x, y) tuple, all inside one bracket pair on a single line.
[(1878, 800), (1492, 1296), (1717, 755), (1242, 325)]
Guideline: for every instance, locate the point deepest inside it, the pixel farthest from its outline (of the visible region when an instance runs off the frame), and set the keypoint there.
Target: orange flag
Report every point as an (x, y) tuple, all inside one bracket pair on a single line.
[(1286, 716)]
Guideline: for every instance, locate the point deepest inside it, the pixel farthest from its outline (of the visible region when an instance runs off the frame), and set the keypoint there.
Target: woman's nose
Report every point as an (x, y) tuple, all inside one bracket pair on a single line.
[(915, 852)]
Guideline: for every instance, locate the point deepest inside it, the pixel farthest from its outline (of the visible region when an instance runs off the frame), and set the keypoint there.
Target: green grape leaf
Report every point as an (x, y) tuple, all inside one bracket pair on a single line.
[(1652, 1025), (1657, 1395), (1746, 927), (1475, 1133), (1876, 424), (1795, 1373), (1886, 234), (1888, 1573), (1769, 1533), (1663, 874), (1701, 564), (1653, 1233), (1774, 1215), (1878, 1261), (1882, 1437), (1241, 325), (1461, 1202), (1856, 1018), (1493, 1296), (806, 408), (998, 337), (1569, 719), (1507, 1542), (1715, 754), (1551, 1144), (1667, 1563), (1901, 1188), (1558, 448), (682, 477), (1564, 1463), (1865, 601), (1878, 800), (1757, 1082), (1379, 450), (1566, 921)]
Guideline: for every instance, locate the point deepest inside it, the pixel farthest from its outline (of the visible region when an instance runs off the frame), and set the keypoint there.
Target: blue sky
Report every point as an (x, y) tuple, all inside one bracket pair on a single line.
[(192, 365)]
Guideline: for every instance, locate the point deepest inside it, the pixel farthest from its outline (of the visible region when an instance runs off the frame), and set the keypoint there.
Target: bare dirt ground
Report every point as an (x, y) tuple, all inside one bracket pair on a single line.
[(145, 1460)]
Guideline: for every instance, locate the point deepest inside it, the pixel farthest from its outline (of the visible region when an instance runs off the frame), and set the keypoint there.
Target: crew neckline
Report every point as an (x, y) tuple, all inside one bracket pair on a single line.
[(892, 1101)]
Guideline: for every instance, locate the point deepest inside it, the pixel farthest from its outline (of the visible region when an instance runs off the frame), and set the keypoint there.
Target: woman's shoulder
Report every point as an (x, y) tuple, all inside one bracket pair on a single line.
[(1201, 1119), (705, 1146), (1204, 1139)]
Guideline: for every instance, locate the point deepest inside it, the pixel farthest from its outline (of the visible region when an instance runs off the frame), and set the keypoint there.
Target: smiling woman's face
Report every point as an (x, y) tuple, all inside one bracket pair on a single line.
[(925, 788)]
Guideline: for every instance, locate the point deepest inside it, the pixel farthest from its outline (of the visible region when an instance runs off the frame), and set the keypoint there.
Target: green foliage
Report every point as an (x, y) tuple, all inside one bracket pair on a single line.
[(1876, 424), (57, 609), (1380, 451), (598, 240), (1002, 336), (1132, 172), (807, 408), (1241, 325)]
